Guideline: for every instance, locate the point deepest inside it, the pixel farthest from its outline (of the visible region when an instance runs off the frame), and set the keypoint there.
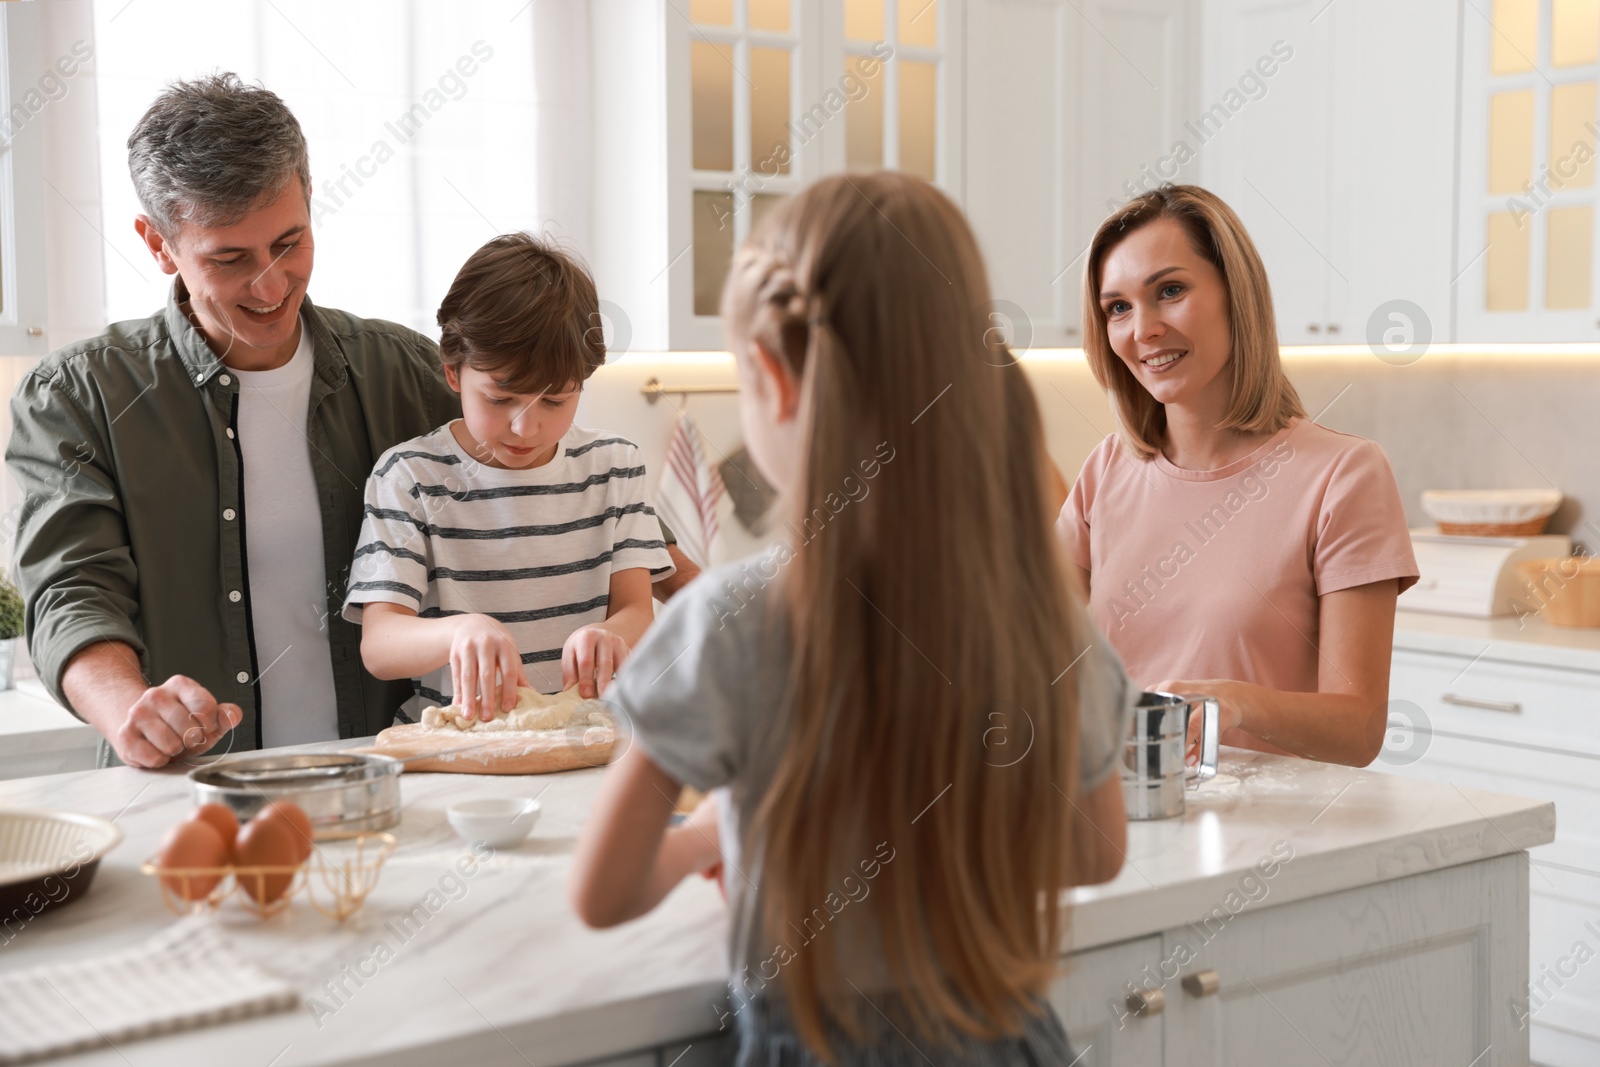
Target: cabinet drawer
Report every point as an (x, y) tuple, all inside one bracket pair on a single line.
[(1546, 750), (1547, 706)]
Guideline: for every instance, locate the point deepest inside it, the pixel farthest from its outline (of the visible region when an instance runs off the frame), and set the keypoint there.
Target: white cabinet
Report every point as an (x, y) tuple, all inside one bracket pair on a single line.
[(709, 113), (1392, 159), (1072, 107), (1329, 128), (1267, 150), (1535, 732), (1091, 999), (24, 304), (1413, 971)]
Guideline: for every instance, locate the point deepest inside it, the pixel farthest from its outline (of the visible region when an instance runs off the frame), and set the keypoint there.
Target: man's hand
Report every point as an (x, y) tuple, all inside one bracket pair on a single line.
[(589, 658), (485, 667), (147, 725), (179, 717)]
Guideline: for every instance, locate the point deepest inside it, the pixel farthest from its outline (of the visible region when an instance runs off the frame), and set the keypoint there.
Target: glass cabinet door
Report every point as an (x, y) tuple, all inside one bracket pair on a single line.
[(745, 67), (1528, 191), (895, 82), (777, 93)]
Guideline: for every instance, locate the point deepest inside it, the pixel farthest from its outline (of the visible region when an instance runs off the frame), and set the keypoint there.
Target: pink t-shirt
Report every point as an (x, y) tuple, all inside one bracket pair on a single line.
[(1217, 574)]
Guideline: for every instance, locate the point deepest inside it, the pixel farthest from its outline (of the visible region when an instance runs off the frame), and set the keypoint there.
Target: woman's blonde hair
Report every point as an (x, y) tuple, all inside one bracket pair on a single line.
[(929, 619), (1263, 400)]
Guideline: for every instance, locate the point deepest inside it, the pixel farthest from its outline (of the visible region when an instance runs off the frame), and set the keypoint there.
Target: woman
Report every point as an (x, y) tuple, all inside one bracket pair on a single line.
[(1229, 544)]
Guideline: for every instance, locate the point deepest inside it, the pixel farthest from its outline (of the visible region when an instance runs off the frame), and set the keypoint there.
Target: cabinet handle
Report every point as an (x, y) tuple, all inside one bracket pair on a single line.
[(1509, 706), (1202, 983), (1148, 1002), (1333, 327), (1314, 328)]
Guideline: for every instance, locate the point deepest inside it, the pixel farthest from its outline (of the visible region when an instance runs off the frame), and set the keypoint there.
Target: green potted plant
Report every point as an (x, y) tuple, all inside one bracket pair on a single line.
[(11, 615)]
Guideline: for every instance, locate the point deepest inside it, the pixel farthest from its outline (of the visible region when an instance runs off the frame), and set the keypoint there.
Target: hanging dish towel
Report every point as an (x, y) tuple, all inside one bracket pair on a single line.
[(692, 494), (185, 977)]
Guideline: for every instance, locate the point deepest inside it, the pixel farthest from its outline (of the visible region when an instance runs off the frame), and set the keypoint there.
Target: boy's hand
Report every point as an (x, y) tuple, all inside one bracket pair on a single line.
[(485, 667), (590, 657)]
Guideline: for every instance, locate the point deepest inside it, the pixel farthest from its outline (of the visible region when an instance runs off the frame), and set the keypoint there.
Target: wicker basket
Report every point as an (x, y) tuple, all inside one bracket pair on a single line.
[(1567, 591), (1530, 528), (1491, 512)]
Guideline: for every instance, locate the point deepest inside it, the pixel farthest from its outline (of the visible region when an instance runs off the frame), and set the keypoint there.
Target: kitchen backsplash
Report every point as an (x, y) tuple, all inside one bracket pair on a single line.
[(1468, 421), (1453, 420)]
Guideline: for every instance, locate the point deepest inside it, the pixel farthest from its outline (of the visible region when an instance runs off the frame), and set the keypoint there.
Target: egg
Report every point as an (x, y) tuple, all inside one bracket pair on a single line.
[(221, 818), (266, 842), (192, 844), (299, 825)]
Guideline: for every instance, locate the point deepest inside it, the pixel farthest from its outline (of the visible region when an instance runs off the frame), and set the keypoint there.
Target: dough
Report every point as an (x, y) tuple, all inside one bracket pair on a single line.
[(533, 711)]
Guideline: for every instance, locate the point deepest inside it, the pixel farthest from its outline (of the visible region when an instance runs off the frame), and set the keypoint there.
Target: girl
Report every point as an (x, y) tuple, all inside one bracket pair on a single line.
[(1230, 545), (916, 722)]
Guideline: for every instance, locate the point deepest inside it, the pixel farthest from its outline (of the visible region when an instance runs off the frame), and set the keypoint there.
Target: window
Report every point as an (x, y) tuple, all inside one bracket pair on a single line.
[(29, 85), (420, 119)]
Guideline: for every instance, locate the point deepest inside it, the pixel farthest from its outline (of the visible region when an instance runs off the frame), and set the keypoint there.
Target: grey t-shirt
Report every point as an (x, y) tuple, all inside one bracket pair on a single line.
[(703, 695)]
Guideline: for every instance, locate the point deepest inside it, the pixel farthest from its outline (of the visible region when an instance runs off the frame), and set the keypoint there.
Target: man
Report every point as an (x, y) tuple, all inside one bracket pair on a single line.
[(193, 480)]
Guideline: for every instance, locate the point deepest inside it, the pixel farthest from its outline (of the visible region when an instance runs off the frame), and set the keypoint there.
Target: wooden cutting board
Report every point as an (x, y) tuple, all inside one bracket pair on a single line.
[(529, 752)]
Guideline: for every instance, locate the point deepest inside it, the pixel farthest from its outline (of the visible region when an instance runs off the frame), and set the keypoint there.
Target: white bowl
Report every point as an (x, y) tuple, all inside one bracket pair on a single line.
[(1470, 506), (499, 821)]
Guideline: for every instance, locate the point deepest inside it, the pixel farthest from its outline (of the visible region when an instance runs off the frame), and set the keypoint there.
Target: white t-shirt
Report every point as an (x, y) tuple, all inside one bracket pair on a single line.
[(535, 549), (283, 550)]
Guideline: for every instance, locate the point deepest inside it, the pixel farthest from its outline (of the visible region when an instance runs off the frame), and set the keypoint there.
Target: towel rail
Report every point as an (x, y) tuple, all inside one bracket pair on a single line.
[(653, 390)]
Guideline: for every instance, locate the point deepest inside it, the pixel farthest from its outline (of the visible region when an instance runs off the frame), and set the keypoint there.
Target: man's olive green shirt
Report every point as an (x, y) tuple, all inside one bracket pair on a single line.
[(133, 520)]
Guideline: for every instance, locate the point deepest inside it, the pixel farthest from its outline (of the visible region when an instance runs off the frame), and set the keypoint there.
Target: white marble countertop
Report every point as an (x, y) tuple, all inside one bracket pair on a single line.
[(505, 963), (1530, 640), (39, 736), (26, 712)]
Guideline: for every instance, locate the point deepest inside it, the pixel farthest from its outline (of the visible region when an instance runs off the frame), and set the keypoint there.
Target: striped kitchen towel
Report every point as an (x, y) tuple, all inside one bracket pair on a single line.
[(691, 494), (185, 977)]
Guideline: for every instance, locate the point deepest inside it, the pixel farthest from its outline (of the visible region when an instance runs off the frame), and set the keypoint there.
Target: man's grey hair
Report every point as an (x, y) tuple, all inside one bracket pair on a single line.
[(210, 149)]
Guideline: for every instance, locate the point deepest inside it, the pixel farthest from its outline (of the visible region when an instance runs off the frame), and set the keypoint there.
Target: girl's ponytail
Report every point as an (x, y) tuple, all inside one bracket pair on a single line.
[(928, 606)]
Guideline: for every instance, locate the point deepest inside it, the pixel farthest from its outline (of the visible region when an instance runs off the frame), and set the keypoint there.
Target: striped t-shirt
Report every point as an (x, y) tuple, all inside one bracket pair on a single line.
[(535, 549)]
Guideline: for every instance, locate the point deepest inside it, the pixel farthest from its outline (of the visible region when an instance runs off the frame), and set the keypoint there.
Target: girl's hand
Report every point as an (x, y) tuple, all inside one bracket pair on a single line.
[(1228, 695), (700, 837), (589, 658), (485, 667)]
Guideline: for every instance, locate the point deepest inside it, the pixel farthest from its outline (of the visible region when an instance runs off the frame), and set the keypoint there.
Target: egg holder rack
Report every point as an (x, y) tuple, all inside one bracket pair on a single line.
[(337, 889)]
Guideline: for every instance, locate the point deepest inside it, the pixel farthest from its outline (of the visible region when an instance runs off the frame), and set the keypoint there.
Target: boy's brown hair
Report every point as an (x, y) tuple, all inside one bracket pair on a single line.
[(525, 311)]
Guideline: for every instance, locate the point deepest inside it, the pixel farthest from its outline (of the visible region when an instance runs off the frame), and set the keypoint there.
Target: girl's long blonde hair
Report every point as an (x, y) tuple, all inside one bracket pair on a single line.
[(1262, 400), (929, 618)]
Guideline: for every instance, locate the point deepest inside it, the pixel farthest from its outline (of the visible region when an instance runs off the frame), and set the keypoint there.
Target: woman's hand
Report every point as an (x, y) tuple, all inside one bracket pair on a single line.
[(1231, 696), (485, 666), (589, 659)]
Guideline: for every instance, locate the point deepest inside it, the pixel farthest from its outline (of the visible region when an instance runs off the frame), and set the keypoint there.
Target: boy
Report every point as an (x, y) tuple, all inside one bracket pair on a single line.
[(508, 540)]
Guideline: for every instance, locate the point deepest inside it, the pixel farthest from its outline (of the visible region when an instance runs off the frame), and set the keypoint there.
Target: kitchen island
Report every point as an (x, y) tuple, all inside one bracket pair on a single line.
[(1298, 912)]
